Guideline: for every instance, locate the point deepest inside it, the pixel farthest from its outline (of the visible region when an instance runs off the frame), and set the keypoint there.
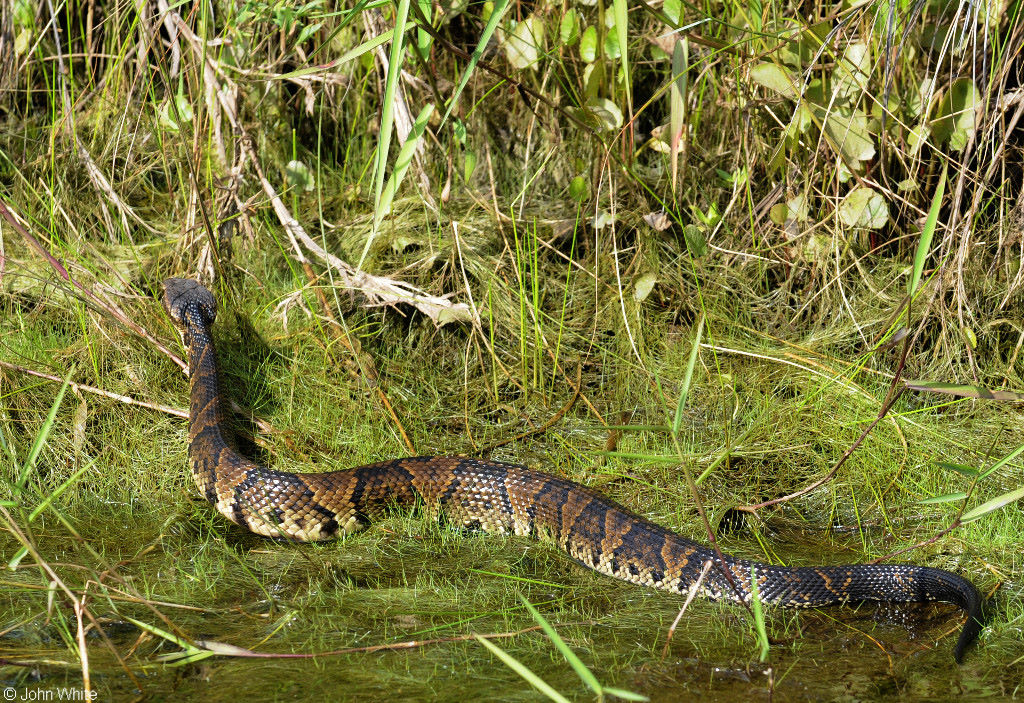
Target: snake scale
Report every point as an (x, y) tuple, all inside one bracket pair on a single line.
[(504, 498)]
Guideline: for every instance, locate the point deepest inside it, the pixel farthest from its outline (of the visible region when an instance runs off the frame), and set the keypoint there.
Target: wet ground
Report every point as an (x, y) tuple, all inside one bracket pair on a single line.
[(410, 581)]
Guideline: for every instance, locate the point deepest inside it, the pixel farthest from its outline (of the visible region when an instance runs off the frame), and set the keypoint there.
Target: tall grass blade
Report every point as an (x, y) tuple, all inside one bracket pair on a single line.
[(684, 391), (56, 493), (947, 498), (991, 506), (521, 669), (1003, 462), (44, 432), (619, 8), (492, 24), (677, 106), (758, 611), (968, 471), (961, 390), (353, 53), (925, 243), (387, 117), (405, 156), (190, 652), (585, 674)]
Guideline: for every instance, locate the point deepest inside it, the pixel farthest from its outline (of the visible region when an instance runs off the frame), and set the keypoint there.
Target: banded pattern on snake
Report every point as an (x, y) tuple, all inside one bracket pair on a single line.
[(507, 499)]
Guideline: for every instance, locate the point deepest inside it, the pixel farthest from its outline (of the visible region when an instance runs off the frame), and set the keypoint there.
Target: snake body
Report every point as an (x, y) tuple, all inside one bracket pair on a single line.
[(507, 499)]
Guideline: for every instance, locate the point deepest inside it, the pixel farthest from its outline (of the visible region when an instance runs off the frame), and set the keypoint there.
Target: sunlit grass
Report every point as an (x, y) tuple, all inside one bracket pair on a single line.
[(593, 199)]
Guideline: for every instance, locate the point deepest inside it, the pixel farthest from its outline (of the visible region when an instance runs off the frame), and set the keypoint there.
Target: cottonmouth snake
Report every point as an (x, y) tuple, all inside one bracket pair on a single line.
[(503, 498)]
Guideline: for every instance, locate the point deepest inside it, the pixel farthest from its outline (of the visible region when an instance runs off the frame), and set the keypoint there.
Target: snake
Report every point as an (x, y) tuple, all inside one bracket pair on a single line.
[(502, 498)]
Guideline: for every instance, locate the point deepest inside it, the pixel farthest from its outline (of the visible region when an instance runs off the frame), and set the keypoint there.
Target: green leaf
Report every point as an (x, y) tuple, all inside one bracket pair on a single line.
[(308, 31), (968, 471), (611, 45), (423, 38), (864, 208), (696, 242), (673, 10), (578, 189), (851, 75), (847, 133), (569, 28), (803, 118), (778, 213), (643, 286), (710, 218), (776, 78), (677, 103), (524, 45), (798, 209), (184, 105), (298, 175), (593, 79), (972, 339), (958, 114), (607, 113), (455, 314), (23, 41), (588, 45)]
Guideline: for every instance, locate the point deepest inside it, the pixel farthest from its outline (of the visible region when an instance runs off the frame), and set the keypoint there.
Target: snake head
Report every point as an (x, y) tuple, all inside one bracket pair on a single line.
[(189, 304)]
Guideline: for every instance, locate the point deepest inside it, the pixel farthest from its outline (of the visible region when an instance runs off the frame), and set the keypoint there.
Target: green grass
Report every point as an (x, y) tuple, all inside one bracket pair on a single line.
[(529, 205), (411, 580)]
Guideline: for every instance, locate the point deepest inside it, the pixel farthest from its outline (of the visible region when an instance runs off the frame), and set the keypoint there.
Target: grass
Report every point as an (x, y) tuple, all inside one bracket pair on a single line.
[(571, 251)]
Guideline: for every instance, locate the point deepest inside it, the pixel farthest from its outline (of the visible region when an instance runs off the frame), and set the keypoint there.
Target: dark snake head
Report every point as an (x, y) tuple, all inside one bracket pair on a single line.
[(189, 304)]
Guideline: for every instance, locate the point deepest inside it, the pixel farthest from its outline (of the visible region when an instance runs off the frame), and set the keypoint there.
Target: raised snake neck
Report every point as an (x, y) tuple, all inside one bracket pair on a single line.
[(507, 499)]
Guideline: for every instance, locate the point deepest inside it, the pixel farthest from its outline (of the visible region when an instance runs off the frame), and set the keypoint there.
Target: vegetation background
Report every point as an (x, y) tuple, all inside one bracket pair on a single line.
[(763, 257)]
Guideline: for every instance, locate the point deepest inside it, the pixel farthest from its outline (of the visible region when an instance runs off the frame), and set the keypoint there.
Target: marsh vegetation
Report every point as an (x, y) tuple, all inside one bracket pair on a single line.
[(762, 257)]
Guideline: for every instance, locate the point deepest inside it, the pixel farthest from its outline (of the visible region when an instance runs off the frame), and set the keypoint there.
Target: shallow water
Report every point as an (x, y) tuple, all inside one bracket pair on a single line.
[(409, 580)]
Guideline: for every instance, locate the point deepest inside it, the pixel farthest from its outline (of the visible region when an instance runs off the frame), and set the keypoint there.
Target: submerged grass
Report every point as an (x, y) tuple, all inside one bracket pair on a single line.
[(707, 317), (762, 427)]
